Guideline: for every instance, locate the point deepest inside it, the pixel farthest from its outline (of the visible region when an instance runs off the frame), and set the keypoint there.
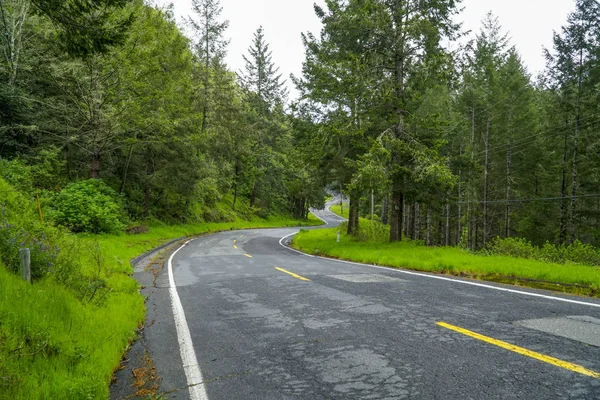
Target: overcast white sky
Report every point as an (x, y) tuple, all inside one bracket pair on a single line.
[(529, 23)]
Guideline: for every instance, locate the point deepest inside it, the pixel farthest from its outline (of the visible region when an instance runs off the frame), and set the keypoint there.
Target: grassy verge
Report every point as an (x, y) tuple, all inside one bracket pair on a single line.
[(55, 346), (573, 278), (337, 209), (56, 343)]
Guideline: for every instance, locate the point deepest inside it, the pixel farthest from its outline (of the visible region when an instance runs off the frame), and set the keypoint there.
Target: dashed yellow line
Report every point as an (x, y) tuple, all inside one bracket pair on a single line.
[(520, 350), (248, 255), (293, 274), (234, 246)]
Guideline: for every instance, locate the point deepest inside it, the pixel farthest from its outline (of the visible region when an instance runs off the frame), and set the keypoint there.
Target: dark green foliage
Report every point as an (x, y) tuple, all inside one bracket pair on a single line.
[(88, 26), (89, 206)]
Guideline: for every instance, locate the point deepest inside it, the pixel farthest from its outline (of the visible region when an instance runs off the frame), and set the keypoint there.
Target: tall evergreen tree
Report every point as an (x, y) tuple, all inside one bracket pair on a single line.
[(408, 48), (571, 68), (261, 76), (336, 79), (210, 46)]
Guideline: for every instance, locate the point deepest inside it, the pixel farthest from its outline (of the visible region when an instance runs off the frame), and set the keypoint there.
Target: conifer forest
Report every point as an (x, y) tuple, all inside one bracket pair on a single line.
[(445, 143), (122, 126)]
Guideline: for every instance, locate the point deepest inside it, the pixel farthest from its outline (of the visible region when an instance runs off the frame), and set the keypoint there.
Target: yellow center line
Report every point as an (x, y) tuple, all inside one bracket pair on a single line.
[(293, 274), (234, 246), (234, 241), (248, 255), (520, 350)]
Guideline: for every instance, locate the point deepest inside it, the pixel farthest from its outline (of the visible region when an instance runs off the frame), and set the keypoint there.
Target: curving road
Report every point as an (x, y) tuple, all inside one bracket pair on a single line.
[(248, 318)]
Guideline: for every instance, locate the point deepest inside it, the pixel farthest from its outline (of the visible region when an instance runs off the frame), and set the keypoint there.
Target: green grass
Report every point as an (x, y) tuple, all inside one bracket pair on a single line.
[(53, 345), (452, 261), (337, 209)]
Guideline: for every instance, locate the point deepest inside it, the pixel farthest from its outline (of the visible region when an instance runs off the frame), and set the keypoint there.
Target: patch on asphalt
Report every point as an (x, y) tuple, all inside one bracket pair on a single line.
[(581, 328), (366, 278)]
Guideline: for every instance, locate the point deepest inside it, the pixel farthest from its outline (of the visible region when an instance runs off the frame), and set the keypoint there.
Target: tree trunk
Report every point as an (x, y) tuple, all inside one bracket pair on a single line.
[(428, 238), (447, 235), (341, 200), (406, 221), (353, 214), (147, 191), (476, 238), (399, 110), (470, 220), (396, 217), (486, 173), (562, 234), (372, 204), (417, 234), (459, 214), (508, 166), (440, 228), (411, 221), (574, 177), (13, 21), (95, 166)]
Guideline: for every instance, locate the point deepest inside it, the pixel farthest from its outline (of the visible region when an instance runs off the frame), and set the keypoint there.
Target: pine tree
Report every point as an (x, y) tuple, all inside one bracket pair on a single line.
[(408, 50), (570, 67), (337, 80), (261, 77), (210, 46)]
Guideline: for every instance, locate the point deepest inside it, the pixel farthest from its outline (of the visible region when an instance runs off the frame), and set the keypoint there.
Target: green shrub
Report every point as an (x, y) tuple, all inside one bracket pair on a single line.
[(17, 174), (20, 229), (514, 247), (576, 252), (89, 206), (372, 231), (53, 250)]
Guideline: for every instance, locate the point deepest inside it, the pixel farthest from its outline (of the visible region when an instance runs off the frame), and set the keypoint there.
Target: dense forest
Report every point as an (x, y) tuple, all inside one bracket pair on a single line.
[(456, 146), (155, 118), (451, 143), (122, 128)]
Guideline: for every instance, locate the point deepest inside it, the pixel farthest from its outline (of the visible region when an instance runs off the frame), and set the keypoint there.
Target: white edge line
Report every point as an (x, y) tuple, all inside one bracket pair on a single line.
[(442, 278), (186, 347)]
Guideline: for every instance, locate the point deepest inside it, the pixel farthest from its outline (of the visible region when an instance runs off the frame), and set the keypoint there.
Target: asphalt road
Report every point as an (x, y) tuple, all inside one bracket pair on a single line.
[(265, 322)]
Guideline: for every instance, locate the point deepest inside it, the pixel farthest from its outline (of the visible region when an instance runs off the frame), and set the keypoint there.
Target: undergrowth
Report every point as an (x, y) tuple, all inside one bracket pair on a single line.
[(62, 336)]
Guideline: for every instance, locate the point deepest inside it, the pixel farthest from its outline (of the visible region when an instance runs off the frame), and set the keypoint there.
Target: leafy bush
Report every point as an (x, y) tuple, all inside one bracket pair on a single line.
[(576, 252), (17, 174), (372, 231), (20, 227), (89, 206)]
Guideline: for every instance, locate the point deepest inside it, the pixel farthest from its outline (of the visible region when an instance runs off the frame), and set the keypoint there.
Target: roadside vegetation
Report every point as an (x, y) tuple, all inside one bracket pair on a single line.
[(575, 270), (63, 336)]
